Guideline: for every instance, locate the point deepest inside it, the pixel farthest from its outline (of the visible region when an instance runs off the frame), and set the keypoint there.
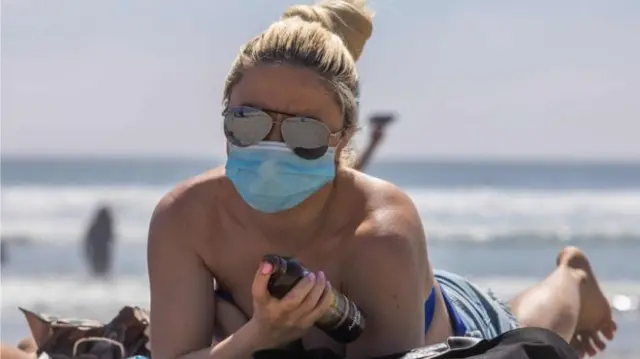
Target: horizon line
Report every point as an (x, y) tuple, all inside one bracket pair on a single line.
[(380, 160)]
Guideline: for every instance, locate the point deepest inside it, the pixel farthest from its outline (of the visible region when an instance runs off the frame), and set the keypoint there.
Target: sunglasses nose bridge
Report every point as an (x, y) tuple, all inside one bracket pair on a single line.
[(275, 134)]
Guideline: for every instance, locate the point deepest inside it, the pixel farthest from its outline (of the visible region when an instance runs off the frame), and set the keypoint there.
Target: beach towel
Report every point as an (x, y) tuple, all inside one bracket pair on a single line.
[(522, 343)]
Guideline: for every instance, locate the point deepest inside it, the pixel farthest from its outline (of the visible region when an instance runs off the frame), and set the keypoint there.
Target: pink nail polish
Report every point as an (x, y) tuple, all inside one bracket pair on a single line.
[(312, 277), (266, 268)]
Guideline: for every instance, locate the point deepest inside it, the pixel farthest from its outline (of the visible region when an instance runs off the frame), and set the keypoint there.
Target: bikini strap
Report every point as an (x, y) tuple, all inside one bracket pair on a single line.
[(458, 326), (429, 309)]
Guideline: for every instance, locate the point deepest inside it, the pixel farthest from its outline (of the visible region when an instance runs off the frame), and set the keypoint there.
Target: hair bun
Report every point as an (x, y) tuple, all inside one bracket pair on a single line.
[(352, 20)]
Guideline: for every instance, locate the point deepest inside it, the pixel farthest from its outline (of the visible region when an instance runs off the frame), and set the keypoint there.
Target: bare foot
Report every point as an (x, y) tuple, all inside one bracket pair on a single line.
[(28, 345), (595, 320), (11, 352)]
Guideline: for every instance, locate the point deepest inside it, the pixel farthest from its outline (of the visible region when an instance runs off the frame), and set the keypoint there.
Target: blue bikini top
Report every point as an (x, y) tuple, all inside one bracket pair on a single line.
[(459, 329)]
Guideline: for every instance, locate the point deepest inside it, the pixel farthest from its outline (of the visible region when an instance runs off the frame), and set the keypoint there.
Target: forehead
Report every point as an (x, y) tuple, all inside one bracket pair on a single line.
[(287, 89)]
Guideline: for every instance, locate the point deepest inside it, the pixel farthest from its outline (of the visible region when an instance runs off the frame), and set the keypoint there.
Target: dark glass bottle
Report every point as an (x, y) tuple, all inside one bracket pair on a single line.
[(343, 322)]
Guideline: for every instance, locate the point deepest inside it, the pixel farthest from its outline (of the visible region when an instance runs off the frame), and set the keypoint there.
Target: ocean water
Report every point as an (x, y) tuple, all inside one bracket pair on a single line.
[(500, 223)]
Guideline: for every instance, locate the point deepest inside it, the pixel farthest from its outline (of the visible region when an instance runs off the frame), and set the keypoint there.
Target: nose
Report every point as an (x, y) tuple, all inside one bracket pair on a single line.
[(275, 135)]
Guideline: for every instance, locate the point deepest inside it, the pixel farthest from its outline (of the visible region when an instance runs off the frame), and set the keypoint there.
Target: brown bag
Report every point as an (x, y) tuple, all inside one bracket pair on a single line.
[(124, 336)]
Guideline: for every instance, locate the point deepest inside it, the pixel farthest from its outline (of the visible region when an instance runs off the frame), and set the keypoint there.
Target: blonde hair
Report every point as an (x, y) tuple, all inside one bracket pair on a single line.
[(327, 37)]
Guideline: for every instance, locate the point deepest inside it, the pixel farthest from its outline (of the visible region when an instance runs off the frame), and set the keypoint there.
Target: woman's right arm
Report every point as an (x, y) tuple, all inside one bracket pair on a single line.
[(182, 302)]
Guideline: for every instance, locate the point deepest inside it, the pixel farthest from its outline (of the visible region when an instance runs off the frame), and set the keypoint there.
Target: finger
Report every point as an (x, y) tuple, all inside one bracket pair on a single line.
[(323, 305), (597, 341), (296, 295), (577, 346), (587, 345), (260, 281), (609, 329), (316, 292), (582, 348), (312, 299)]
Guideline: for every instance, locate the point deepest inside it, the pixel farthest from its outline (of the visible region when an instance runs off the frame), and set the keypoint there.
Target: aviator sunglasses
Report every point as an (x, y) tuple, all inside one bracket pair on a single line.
[(306, 137)]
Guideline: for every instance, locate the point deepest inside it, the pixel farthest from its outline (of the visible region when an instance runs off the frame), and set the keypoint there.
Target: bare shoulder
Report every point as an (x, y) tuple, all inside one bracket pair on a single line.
[(182, 298), (392, 225), (390, 209), (388, 264), (189, 205)]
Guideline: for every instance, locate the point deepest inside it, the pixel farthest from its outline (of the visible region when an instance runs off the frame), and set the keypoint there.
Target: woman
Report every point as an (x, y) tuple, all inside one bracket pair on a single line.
[(290, 107)]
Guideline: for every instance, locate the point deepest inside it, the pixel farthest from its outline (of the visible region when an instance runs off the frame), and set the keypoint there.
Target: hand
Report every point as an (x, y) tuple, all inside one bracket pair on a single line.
[(229, 318), (282, 321)]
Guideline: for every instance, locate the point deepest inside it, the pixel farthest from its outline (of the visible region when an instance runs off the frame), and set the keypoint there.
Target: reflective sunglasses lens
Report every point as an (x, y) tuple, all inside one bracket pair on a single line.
[(246, 126), (308, 138)]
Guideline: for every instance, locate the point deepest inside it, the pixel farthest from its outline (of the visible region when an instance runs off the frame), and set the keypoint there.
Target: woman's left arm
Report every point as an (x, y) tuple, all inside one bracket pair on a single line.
[(388, 280)]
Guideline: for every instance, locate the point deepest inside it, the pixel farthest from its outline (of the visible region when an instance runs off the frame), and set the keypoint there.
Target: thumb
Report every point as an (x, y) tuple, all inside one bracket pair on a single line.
[(259, 287)]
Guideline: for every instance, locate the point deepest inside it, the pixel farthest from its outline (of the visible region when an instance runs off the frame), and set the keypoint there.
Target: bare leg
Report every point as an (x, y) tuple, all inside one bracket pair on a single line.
[(570, 303)]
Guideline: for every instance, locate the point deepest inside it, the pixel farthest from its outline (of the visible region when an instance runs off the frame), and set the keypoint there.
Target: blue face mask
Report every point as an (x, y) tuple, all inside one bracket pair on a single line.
[(271, 178)]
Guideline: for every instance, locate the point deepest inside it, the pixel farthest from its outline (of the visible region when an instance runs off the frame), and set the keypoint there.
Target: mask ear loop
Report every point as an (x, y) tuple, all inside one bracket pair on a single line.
[(336, 157)]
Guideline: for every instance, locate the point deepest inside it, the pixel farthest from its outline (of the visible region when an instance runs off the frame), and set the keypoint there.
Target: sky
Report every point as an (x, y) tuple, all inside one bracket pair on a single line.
[(537, 79)]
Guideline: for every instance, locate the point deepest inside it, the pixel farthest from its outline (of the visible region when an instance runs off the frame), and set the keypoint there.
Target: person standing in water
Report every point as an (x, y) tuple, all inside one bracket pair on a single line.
[(98, 242), (290, 108), (4, 253)]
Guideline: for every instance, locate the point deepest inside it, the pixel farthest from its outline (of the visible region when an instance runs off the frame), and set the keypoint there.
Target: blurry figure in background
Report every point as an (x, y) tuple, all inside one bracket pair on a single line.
[(98, 242), (378, 123), (3, 253), (12, 241)]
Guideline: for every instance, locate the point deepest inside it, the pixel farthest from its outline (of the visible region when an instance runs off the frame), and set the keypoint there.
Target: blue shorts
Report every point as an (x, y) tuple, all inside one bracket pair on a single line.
[(483, 315)]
